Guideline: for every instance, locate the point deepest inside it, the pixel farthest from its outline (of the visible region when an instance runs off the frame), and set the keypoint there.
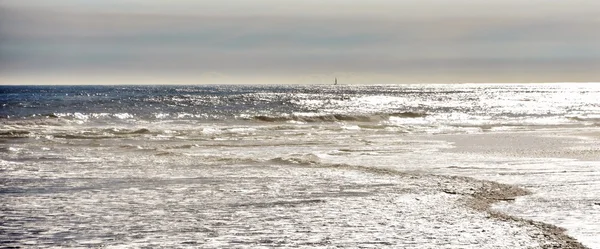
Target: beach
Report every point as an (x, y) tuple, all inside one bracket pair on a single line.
[(297, 167)]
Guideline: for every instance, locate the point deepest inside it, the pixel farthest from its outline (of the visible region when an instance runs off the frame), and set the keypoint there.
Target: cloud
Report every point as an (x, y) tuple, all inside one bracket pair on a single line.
[(408, 39)]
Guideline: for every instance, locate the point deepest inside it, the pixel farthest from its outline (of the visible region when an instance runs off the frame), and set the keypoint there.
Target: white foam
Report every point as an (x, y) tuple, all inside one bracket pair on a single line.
[(123, 115)]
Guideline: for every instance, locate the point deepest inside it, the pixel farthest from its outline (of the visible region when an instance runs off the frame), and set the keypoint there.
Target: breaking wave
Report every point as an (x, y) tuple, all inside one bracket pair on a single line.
[(338, 117), (301, 159), (370, 107), (14, 133), (595, 119)]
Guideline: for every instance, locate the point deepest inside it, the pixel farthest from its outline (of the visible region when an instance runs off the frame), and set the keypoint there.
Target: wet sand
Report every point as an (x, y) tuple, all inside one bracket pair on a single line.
[(581, 144), (558, 167), (480, 195)]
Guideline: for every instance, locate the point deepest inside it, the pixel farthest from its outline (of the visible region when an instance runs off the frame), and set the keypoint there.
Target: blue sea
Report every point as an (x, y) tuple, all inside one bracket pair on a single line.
[(458, 106), (296, 166)]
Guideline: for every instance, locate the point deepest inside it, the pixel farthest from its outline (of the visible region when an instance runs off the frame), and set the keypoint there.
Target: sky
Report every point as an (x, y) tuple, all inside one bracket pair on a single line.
[(298, 42)]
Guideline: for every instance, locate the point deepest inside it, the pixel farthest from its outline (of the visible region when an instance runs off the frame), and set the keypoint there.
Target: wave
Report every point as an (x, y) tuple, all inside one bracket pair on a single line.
[(9, 149), (60, 119), (14, 133), (101, 133), (595, 119), (409, 114), (50, 115), (73, 136), (33, 122), (126, 132), (303, 159), (339, 117), (286, 203)]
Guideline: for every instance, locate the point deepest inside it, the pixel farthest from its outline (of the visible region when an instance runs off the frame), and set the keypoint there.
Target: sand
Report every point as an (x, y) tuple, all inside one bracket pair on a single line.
[(480, 195)]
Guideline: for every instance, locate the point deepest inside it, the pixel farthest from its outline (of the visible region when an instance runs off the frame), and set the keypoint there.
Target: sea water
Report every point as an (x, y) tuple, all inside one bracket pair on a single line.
[(250, 166)]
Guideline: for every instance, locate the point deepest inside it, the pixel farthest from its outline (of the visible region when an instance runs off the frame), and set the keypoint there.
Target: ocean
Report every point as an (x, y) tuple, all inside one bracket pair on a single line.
[(319, 166)]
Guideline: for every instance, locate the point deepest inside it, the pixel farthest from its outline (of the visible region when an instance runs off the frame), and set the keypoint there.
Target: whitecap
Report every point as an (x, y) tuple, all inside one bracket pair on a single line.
[(123, 115)]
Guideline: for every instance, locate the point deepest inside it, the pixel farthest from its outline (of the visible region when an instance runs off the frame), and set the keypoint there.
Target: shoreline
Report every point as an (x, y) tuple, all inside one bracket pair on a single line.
[(332, 200), (482, 197), (558, 166), (462, 197)]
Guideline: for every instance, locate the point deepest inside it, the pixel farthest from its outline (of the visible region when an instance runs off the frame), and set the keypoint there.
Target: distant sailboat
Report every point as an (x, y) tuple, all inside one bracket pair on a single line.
[(335, 83)]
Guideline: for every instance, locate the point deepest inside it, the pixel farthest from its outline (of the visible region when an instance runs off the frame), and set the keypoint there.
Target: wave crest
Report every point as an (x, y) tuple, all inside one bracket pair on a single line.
[(14, 133), (304, 159), (594, 118), (339, 117)]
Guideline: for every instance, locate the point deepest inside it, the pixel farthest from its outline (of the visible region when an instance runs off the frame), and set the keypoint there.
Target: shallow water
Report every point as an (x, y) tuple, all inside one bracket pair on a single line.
[(247, 166)]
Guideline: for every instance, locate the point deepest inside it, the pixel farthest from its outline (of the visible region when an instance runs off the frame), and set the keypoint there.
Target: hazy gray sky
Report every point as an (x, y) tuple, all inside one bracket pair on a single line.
[(291, 41)]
